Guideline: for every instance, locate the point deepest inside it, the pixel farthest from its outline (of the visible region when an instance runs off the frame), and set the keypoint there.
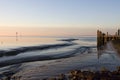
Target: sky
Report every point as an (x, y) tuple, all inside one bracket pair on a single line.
[(58, 17)]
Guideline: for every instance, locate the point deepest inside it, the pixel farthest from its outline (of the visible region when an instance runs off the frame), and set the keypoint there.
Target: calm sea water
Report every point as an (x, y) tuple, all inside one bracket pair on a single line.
[(15, 50), (79, 52), (13, 42)]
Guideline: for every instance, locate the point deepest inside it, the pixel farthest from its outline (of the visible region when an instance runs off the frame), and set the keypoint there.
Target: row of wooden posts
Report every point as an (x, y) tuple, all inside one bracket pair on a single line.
[(103, 38)]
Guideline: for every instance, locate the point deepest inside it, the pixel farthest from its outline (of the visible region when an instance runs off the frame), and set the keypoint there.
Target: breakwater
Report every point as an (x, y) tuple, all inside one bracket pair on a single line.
[(103, 38)]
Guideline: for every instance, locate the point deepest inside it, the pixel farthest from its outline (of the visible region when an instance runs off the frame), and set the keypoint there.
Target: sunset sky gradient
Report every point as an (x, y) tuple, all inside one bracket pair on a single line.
[(58, 17)]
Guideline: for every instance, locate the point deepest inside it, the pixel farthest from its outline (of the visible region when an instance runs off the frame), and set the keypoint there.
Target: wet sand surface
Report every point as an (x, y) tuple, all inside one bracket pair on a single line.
[(89, 60)]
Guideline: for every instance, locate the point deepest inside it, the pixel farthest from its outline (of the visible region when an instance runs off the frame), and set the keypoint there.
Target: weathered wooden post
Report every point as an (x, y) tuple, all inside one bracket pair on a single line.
[(98, 38)]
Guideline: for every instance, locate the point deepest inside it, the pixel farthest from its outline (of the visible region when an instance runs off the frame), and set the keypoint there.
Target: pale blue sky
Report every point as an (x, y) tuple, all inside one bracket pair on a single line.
[(60, 13)]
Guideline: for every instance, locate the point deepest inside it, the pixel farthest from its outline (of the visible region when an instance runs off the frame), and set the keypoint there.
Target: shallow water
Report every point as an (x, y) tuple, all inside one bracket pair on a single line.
[(16, 48), (13, 42), (55, 54), (89, 60)]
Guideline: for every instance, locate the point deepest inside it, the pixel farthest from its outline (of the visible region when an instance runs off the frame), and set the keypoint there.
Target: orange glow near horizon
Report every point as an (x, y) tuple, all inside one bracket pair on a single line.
[(46, 31)]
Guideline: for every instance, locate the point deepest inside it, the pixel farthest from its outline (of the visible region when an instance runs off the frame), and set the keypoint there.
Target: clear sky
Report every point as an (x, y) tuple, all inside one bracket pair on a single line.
[(58, 17)]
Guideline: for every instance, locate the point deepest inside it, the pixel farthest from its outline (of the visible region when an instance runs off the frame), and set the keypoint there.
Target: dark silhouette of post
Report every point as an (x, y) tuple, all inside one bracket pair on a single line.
[(103, 38), (16, 36)]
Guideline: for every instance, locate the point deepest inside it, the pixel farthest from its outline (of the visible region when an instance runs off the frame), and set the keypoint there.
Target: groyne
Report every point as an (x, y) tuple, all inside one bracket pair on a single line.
[(103, 38)]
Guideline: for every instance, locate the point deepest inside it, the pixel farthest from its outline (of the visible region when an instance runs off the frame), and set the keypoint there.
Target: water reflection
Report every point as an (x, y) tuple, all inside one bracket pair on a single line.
[(1, 42), (100, 51), (19, 41), (16, 38), (108, 56)]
